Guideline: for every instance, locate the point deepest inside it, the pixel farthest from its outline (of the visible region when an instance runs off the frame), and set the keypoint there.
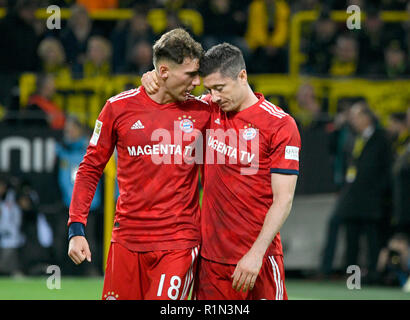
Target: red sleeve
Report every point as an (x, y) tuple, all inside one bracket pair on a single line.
[(98, 153), (285, 144)]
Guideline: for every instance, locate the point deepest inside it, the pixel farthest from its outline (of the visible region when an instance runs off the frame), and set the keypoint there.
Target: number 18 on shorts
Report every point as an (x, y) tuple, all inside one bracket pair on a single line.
[(153, 275)]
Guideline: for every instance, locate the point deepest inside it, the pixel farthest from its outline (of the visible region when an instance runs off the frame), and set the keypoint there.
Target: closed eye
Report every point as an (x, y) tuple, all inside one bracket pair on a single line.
[(193, 73)]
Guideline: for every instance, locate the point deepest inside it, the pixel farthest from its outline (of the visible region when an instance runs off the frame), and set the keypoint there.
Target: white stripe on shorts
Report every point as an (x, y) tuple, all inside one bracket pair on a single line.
[(278, 282), (190, 275)]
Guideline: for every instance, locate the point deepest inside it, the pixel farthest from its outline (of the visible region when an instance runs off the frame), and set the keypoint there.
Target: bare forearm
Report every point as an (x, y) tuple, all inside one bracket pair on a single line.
[(275, 218), (248, 267)]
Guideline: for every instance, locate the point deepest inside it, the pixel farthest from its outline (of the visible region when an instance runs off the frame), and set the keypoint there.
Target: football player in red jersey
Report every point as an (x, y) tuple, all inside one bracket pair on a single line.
[(241, 247), (248, 195), (156, 234)]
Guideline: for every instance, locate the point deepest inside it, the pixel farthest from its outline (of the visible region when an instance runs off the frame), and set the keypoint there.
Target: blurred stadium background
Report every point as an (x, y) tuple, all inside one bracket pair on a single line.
[(300, 54)]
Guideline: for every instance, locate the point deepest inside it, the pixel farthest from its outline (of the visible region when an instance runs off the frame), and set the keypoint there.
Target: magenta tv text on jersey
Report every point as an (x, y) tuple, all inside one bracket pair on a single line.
[(218, 147)]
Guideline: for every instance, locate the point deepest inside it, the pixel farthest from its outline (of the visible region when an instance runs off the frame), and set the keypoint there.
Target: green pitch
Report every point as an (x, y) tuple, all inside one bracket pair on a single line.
[(36, 289), (90, 289)]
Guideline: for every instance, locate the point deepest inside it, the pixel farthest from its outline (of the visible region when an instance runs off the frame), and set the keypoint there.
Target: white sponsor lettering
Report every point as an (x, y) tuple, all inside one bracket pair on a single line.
[(157, 149), (131, 151), (292, 153), (37, 155), (229, 146), (222, 148)]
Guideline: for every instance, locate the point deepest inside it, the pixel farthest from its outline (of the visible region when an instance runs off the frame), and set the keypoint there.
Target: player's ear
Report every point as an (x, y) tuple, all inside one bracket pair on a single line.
[(243, 76), (163, 71)]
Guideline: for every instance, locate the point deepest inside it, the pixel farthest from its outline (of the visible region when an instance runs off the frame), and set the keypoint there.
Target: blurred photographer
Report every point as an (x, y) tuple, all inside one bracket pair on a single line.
[(393, 263), (11, 237), (34, 256)]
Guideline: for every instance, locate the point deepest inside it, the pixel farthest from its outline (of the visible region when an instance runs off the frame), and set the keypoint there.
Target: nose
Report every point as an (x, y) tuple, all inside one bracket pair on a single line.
[(196, 81), (215, 97)]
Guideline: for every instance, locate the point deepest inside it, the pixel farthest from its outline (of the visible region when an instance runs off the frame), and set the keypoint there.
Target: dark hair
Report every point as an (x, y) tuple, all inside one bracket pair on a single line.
[(400, 236), (365, 110), (225, 58), (399, 117), (176, 45), (25, 4)]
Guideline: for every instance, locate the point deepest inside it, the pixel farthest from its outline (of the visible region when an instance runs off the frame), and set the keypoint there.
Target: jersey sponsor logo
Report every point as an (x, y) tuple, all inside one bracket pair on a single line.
[(229, 151), (292, 153), (159, 149), (137, 125), (223, 148), (186, 124), (230, 147), (96, 133)]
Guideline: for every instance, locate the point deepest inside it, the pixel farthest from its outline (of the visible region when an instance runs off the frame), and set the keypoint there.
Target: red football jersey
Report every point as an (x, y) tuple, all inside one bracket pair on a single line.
[(158, 207), (243, 149)]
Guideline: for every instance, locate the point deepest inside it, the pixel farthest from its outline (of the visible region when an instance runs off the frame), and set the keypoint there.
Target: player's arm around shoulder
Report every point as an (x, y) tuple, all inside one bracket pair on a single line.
[(150, 81)]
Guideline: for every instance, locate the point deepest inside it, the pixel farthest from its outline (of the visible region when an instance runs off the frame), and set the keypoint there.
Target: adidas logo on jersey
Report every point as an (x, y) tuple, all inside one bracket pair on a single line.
[(137, 125), (218, 121)]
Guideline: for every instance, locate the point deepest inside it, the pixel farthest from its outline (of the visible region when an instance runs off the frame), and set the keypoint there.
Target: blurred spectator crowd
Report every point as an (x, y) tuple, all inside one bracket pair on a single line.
[(84, 47), (359, 147)]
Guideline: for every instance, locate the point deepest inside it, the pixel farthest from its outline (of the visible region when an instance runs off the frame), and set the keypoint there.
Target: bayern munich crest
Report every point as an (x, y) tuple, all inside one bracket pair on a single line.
[(186, 123), (249, 133), (111, 296)]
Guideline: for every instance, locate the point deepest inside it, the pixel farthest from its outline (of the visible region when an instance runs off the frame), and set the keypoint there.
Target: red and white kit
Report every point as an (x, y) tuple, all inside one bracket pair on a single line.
[(151, 275), (258, 141), (158, 207)]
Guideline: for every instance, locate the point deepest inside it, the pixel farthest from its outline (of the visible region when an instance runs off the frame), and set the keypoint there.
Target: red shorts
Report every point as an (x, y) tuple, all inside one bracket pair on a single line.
[(153, 275), (214, 282)]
